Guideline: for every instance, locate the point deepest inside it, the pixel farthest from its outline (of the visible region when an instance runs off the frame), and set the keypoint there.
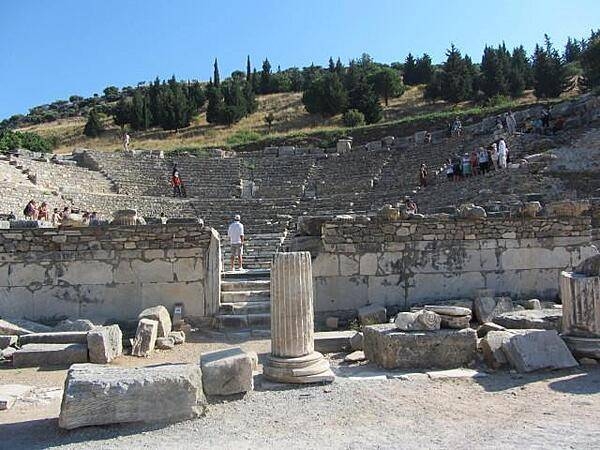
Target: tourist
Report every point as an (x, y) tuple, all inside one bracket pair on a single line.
[(466, 166), (502, 154), (163, 218), (546, 116), (423, 175), (411, 206), (511, 123), (31, 211), (126, 140), (85, 218), (484, 160), (66, 212), (474, 163), (428, 137), (450, 170), (43, 213), (495, 155), (94, 220), (55, 217), (176, 183), (559, 124), (457, 127), (236, 238), (457, 162), (538, 126)]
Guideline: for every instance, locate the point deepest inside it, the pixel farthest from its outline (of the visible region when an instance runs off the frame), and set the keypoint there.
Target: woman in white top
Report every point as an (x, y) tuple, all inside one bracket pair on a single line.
[(495, 156), (502, 154)]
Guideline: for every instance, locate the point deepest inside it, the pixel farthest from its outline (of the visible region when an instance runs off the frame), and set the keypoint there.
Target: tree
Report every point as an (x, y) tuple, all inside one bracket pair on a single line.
[(111, 93), (216, 76), (410, 70), (387, 83), (456, 83), (363, 98), (494, 78), (248, 70), (93, 127), (423, 69), (122, 113), (521, 75), (572, 51), (353, 118), (269, 119), (215, 103), (265, 77), (590, 62), (549, 71), (326, 96)]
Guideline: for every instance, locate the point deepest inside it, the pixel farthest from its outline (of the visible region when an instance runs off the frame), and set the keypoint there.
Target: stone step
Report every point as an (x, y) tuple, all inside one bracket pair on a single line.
[(245, 285), (253, 274), (242, 308), (245, 321), (245, 296)]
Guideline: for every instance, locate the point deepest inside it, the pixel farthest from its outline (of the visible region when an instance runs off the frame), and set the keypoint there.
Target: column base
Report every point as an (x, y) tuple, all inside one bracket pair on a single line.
[(312, 368), (583, 346)]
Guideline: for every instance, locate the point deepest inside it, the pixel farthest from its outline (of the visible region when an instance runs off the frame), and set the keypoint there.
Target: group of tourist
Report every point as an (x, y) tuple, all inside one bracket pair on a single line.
[(42, 212), (478, 162)]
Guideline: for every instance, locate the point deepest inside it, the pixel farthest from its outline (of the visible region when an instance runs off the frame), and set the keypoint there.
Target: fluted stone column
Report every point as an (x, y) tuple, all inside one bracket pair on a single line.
[(293, 359), (580, 295)]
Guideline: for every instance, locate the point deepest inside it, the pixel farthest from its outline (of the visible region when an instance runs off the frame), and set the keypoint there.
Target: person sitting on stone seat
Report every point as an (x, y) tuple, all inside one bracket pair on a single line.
[(43, 213), (236, 238), (55, 218), (411, 206)]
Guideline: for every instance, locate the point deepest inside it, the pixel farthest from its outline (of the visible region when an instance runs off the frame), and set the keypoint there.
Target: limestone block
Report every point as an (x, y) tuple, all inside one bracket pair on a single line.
[(75, 325), (333, 341), (41, 355), (161, 315), (455, 322), (105, 344), (448, 310), (7, 340), (470, 211), (486, 327), (20, 326), (7, 353), (354, 357), (580, 295), (99, 395), (486, 308), (145, 337), (537, 350), (418, 321), (368, 264), (590, 267), (178, 337), (540, 319), (226, 372), (165, 343), (533, 303), (393, 349), (372, 314), (356, 341), (579, 346), (568, 208), (66, 337), (491, 347)]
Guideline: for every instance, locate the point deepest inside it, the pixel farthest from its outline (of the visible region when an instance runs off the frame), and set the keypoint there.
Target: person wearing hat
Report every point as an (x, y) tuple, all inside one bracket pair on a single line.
[(236, 238)]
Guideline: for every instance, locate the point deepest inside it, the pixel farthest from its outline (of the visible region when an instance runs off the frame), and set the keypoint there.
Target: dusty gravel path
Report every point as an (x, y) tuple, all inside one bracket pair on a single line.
[(549, 410)]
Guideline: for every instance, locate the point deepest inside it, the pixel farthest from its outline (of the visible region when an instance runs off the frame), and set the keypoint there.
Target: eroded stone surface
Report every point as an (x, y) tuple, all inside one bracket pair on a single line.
[(145, 337), (162, 316), (42, 355), (541, 319), (537, 350), (105, 344), (226, 372)]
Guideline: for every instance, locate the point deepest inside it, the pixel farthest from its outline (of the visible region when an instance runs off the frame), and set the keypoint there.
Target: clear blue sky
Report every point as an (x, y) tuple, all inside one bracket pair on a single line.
[(50, 49)]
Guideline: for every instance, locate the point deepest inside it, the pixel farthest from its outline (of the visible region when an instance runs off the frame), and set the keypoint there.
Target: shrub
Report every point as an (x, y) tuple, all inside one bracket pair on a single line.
[(353, 118), (10, 140), (243, 137)]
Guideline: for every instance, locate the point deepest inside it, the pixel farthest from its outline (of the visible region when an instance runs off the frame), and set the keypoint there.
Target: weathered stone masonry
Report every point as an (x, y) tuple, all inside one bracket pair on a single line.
[(365, 260), (108, 272)]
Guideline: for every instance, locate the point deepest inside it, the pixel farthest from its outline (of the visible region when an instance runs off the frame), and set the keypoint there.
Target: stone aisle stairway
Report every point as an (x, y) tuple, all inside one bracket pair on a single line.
[(245, 301)]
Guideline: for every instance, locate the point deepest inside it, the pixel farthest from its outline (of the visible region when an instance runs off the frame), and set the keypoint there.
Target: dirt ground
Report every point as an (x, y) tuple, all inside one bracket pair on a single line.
[(364, 408)]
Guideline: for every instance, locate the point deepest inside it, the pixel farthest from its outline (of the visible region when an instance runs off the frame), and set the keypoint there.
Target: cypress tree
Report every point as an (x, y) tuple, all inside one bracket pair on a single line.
[(216, 76), (265, 78), (248, 70), (215, 103), (339, 67), (138, 113), (331, 65), (93, 127), (255, 82)]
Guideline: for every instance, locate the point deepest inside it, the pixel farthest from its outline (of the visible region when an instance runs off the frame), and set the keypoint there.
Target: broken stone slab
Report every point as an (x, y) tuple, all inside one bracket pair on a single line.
[(14, 327), (455, 322), (391, 348), (333, 341), (165, 343), (105, 344), (8, 340), (539, 319), (455, 373), (100, 395), (533, 303), (65, 337), (355, 357), (7, 352), (447, 310), (226, 372), (161, 315), (486, 327), (372, 314), (75, 325), (10, 393), (491, 347), (145, 338), (41, 355), (486, 308), (356, 341), (418, 321), (178, 337), (537, 350)]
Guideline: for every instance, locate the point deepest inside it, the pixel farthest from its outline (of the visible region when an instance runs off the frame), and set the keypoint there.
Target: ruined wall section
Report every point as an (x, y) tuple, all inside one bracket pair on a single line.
[(108, 272), (365, 260)]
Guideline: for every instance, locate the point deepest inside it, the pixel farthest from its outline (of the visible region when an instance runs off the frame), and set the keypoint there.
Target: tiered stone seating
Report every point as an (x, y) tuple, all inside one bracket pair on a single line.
[(281, 177)]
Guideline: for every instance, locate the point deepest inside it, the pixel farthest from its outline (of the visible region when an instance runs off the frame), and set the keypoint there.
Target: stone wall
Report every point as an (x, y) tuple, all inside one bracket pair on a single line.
[(108, 272), (362, 260)]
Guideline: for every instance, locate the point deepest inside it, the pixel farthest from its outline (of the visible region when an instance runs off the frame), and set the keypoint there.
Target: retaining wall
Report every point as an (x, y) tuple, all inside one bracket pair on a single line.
[(108, 272)]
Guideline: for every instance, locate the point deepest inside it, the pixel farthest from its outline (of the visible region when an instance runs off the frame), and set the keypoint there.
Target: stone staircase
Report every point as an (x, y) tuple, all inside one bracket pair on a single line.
[(245, 301)]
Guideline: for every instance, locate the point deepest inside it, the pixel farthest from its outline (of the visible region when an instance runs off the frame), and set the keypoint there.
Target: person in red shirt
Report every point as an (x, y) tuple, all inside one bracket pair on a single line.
[(176, 183)]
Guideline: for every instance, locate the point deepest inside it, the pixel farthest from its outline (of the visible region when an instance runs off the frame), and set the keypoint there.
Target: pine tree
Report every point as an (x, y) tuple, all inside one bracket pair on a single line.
[(122, 113), (549, 71), (216, 76), (265, 78), (410, 70), (331, 65), (138, 113), (339, 67), (519, 77), (493, 79), (363, 98), (590, 62), (215, 103), (387, 83), (423, 69), (93, 127), (457, 77), (326, 96), (572, 51)]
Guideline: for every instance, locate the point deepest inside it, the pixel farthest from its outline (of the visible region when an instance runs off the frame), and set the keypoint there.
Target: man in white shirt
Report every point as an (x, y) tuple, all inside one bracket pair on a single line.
[(236, 237)]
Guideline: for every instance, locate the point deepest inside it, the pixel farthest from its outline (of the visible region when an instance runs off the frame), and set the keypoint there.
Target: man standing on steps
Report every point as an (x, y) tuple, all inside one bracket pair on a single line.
[(236, 237)]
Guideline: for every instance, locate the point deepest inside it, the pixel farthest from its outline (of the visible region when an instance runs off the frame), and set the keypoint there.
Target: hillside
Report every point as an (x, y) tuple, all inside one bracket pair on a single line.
[(292, 124)]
